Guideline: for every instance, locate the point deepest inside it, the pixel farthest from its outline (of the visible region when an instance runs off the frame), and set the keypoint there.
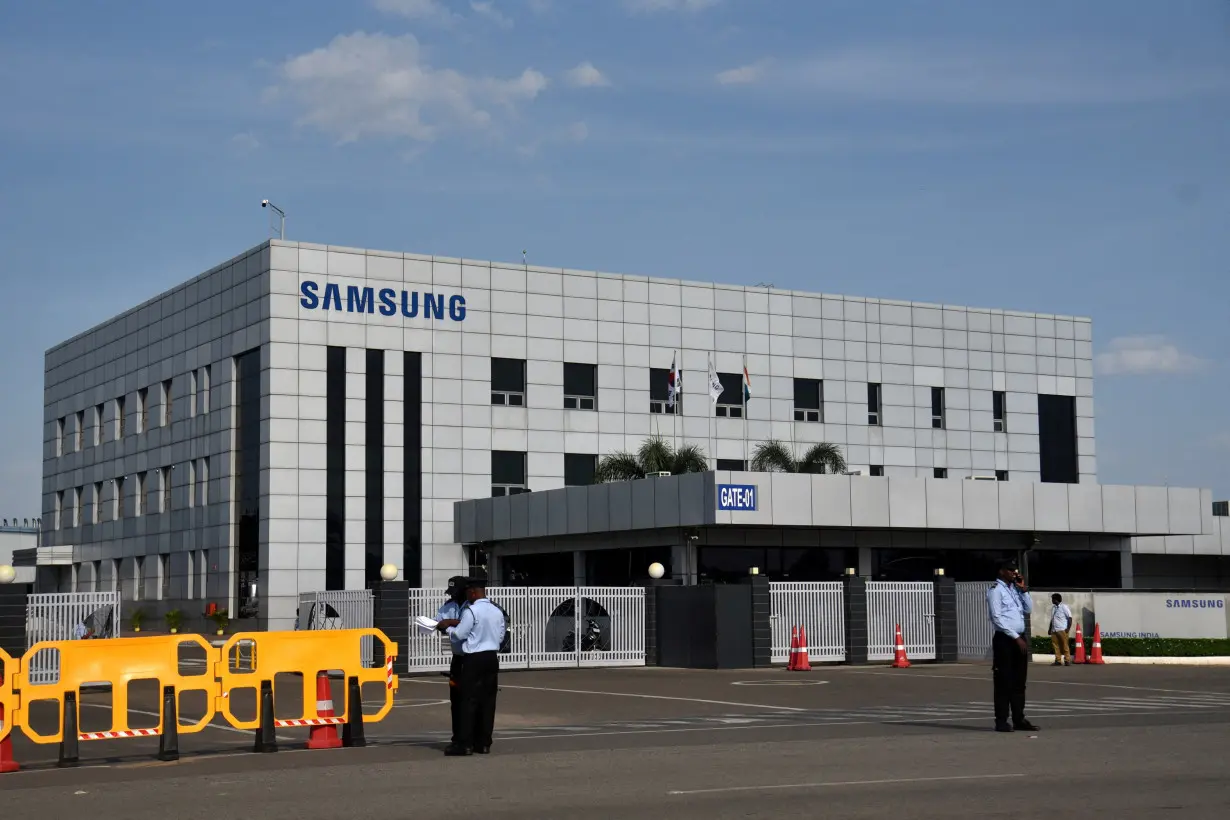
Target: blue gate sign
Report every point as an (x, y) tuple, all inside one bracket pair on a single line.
[(738, 497)]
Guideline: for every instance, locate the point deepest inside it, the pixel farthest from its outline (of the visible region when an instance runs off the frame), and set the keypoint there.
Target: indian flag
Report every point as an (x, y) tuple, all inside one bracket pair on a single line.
[(747, 386)]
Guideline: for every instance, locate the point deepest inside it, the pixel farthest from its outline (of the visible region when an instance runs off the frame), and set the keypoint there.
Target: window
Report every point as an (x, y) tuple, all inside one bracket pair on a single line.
[(115, 574), (166, 403), (79, 440), (204, 386), (165, 504), (937, 408), (138, 578), (143, 410), (139, 505), (730, 403), (203, 480), (59, 437), (120, 426), (203, 568), (164, 577), (97, 567), (660, 391), (96, 513), (873, 404), (59, 510), (580, 386), (507, 473), (808, 400), (997, 407), (117, 511), (98, 424), (877, 469), (78, 505), (731, 464), (579, 469), (940, 472), (191, 486), (192, 394), (1001, 475), (189, 575), (508, 382)]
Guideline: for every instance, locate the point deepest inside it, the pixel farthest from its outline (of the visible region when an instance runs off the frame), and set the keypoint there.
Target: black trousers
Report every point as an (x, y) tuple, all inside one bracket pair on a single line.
[(480, 680), (454, 696), (1010, 666)]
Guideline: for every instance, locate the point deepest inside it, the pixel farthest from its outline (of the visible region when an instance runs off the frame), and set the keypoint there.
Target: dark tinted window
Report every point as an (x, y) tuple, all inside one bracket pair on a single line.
[(508, 375), (937, 401), (873, 398), (507, 467), (732, 388), (807, 394), (579, 469), (659, 383), (997, 402), (1057, 439), (730, 464), (580, 379)]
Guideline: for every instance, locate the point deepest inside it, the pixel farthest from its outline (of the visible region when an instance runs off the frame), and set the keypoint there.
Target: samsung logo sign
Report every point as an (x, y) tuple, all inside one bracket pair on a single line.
[(1195, 603), (386, 301), (738, 497)]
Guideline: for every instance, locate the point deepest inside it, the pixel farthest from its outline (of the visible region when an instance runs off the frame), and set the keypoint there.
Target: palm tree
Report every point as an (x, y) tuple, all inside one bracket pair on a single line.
[(654, 456), (775, 456)]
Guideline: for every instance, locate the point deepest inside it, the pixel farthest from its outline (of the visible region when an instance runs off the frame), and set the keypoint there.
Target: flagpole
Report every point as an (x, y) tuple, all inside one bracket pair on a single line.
[(712, 444), (745, 386)]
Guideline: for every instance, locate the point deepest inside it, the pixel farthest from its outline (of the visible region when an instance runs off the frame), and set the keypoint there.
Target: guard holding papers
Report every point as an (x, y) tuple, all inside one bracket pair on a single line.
[(480, 630)]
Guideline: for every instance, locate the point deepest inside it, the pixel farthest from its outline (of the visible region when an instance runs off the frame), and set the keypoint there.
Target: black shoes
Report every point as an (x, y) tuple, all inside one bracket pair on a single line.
[(1024, 726), (457, 751), (1003, 727), (482, 750)]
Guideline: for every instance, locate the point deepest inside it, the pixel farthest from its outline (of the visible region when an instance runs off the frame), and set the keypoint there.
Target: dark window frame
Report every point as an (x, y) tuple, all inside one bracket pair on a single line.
[(875, 404), (938, 417), (659, 393), (507, 392), (999, 401), (806, 408), (580, 386), (505, 482), (724, 408), (575, 468)]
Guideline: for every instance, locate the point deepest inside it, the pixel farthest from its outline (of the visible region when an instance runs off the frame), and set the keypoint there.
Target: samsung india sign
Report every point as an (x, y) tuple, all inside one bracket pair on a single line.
[(385, 301)]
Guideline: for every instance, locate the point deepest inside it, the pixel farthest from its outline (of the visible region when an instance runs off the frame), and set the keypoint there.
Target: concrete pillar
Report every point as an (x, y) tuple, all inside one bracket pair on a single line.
[(1127, 578), (578, 568), (13, 620), (855, 602), (946, 645), (683, 563), (391, 615), (762, 630)]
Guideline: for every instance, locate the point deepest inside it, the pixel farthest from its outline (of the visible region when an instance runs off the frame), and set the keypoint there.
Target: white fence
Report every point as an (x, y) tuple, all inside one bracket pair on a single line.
[(912, 606), (974, 628), (339, 609), (545, 623), (57, 617), (819, 608)]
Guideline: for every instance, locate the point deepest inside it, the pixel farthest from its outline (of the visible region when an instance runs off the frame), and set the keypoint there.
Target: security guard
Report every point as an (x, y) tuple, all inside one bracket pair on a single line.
[(450, 610), (1008, 604), (480, 629)]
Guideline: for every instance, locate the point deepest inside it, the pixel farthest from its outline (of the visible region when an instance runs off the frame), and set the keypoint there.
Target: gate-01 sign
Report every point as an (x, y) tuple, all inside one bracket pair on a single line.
[(737, 497)]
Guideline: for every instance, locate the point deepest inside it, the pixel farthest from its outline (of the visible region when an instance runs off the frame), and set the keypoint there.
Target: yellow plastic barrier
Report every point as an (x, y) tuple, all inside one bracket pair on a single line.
[(304, 653), (116, 661), (8, 698)]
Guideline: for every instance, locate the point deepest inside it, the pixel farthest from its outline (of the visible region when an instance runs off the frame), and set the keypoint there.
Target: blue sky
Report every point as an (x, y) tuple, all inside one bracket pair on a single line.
[(1048, 156)]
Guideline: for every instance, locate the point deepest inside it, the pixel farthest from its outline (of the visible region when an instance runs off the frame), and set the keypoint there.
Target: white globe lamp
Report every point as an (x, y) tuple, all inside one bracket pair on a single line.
[(388, 572), (7, 574), (656, 570)]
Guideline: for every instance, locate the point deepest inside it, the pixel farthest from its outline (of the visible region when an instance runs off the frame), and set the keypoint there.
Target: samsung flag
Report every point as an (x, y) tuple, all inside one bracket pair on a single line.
[(385, 301)]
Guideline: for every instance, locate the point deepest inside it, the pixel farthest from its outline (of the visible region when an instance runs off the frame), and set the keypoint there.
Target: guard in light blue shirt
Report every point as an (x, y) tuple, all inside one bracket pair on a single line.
[(450, 610), (1008, 604), (480, 629)]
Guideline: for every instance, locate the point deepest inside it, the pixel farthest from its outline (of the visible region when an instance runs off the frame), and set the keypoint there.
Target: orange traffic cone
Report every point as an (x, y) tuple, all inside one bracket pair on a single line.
[(803, 664), (7, 763), (1079, 655), (794, 650), (324, 737), (1096, 657), (900, 661)]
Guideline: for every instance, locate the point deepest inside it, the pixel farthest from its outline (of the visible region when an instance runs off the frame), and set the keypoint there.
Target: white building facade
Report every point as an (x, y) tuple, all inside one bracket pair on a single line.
[(302, 414)]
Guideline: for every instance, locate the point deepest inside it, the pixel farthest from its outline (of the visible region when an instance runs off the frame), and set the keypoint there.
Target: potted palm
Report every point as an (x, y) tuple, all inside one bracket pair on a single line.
[(174, 619), (137, 617), (776, 456), (220, 619), (655, 455)]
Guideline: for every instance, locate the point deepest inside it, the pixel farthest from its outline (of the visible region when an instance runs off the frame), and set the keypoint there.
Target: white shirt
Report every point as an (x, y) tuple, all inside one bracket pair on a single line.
[(1060, 615), (481, 628)]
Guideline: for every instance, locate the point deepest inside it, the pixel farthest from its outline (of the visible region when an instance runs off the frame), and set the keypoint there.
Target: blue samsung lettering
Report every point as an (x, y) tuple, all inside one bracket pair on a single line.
[(360, 300), (310, 300), (386, 301), (388, 305)]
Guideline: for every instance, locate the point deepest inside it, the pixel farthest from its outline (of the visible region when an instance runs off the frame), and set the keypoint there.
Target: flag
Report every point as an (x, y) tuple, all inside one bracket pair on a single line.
[(747, 386), (715, 383), (674, 382)]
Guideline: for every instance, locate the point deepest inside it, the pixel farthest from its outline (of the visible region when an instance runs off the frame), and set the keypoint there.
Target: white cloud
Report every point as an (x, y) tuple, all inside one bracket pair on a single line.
[(654, 6), (1144, 355), (585, 76), (742, 75), (414, 9), (373, 85), (487, 10)]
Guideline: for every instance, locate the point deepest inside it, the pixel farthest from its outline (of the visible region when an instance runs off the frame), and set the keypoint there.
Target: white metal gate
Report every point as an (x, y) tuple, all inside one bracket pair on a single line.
[(339, 609), (910, 605), (974, 630), (545, 623), (819, 607), (57, 616)]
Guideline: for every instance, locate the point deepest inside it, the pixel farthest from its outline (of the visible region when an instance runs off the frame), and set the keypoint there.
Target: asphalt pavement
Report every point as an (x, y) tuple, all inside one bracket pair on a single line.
[(1126, 741)]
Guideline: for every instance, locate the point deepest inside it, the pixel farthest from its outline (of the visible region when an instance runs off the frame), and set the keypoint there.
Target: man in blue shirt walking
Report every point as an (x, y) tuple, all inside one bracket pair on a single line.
[(480, 629), (1008, 603)]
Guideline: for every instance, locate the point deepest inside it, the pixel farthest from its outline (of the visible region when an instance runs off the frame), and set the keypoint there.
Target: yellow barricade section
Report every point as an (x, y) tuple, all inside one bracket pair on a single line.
[(8, 699), (118, 661), (250, 658)]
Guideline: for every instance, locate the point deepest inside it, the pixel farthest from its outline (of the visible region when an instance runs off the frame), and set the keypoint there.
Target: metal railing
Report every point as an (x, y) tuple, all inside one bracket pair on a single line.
[(339, 609), (912, 605), (974, 630), (551, 627), (819, 607), (65, 616)]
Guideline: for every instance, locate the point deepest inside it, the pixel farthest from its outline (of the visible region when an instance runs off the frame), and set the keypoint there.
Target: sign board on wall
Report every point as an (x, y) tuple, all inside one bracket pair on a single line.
[(737, 497), (1162, 614)]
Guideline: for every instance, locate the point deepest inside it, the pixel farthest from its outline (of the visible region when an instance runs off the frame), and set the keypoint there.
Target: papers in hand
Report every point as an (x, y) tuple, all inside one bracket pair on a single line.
[(426, 625)]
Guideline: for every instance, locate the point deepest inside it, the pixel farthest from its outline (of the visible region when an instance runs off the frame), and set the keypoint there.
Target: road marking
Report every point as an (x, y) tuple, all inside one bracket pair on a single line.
[(778, 682), (833, 783), (635, 695), (1036, 682), (416, 705)]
